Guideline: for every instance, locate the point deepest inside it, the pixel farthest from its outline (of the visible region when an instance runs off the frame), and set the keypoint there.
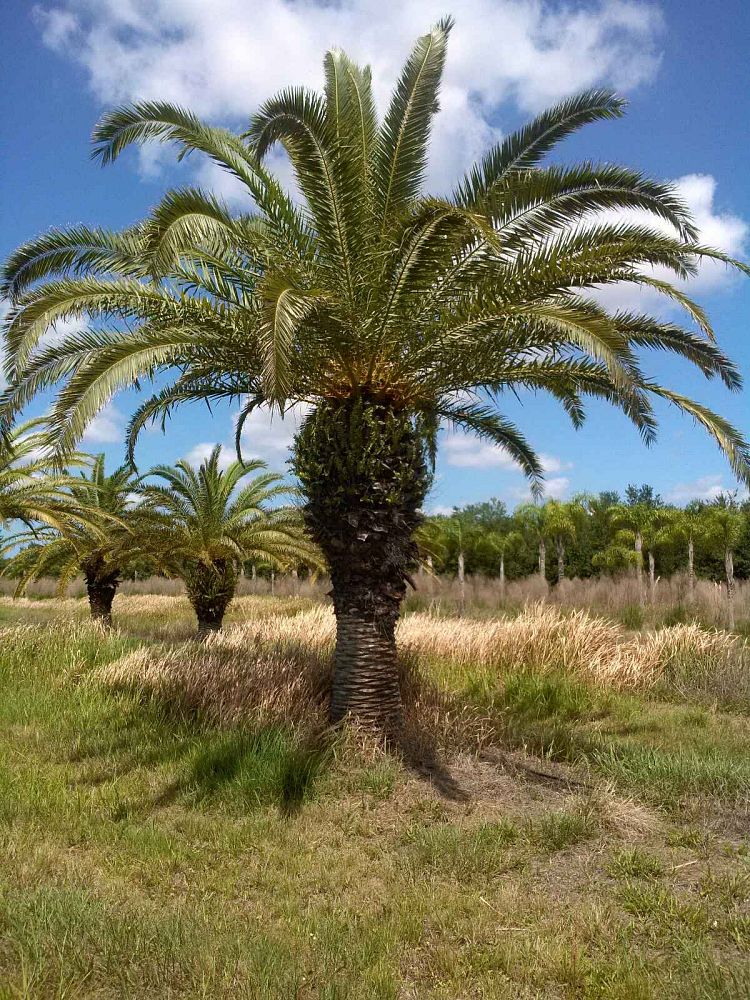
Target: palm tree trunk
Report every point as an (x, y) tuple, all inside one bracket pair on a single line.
[(729, 568), (691, 569), (295, 582), (560, 559), (542, 559), (101, 586), (652, 576), (362, 468), (502, 576), (639, 567), (210, 589), (462, 581), (101, 594)]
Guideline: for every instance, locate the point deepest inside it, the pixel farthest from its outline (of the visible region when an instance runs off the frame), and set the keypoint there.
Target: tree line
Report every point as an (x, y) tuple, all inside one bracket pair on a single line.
[(594, 534)]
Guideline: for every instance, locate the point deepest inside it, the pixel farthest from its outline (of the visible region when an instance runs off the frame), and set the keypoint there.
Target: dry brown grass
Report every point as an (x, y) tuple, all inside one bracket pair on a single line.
[(277, 668)]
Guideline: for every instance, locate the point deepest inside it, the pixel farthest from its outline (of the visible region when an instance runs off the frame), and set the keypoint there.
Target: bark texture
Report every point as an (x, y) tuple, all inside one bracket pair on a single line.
[(210, 589), (729, 569), (362, 467), (102, 581)]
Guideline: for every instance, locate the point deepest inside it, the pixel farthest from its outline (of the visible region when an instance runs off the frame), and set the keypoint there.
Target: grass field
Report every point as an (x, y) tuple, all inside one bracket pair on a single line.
[(569, 819)]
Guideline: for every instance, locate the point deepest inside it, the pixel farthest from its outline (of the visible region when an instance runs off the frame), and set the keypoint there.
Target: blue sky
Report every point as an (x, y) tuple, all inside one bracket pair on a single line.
[(682, 64)]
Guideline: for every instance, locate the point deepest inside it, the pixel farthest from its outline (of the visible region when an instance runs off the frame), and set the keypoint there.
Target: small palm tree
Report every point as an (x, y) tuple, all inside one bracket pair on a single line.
[(562, 524), (29, 491), (724, 527), (102, 547), (387, 311), (689, 526), (533, 525), (211, 525), (501, 542), (638, 524)]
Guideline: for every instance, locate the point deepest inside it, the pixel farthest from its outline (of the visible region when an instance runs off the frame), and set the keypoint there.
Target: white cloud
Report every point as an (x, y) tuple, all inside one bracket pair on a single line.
[(555, 488), (717, 228), (107, 427), (703, 488), (200, 453), (269, 436), (468, 452), (224, 58)]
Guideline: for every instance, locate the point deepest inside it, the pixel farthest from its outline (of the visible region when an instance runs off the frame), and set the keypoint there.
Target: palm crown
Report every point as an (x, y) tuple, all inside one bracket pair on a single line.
[(208, 516), (101, 542), (438, 305)]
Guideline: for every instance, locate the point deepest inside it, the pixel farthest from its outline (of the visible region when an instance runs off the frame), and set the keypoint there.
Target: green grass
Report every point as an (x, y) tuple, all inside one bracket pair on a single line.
[(143, 855)]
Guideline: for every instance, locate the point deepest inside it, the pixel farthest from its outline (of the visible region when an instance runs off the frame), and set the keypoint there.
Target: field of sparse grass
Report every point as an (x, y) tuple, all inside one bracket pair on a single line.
[(570, 818)]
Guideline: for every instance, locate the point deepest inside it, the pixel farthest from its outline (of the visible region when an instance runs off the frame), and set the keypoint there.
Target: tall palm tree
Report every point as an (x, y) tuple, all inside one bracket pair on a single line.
[(211, 525), (102, 547), (640, 526), (689, 526), (386, 310)]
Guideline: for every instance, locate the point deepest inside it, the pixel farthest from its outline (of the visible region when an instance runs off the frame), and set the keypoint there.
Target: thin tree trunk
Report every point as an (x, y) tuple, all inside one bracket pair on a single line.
[(729, 567), (652, 576), (639, 567), (295, 582), (691, 569), (560, 559), (253, 572), (462, 581), (273, 583), (502, 576), (542, 559)]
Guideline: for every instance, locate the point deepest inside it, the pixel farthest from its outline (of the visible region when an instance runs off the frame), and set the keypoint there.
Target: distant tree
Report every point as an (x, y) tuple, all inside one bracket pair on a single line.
[(532, 521), (562, 522), (724, 527), (102, 546), (211, 525)]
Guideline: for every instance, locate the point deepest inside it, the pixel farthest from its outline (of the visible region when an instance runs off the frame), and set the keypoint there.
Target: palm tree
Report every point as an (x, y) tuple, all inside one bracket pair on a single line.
[(502, 541), (638, 524), (29, 491), (211, 525), (533, 522), (562, 523), (689, 526), (102, 547), (385, 310), (724, 528)]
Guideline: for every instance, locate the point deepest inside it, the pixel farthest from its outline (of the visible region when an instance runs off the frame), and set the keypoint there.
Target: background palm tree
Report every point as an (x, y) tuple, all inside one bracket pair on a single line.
[(29, 491), (533, 522), (562, 522), (102, 547), (211, 525), (386, 310), (724, 527)]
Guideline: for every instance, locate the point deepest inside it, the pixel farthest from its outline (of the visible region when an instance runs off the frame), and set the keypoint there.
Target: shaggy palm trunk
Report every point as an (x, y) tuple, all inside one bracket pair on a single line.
[(691, 569), (462, 581), (543, 559), (362, 468), (639, 567), (101, 587), (652, 577), (560, 560), (210, 589), (729, 569)]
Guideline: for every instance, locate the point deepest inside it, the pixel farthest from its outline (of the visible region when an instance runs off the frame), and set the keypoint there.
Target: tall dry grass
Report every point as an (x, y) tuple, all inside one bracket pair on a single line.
[(614, 598), (272, 663)]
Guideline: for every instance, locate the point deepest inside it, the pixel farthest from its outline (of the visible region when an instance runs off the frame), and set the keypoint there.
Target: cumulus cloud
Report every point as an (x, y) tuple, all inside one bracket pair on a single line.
[(703, 488), (717, 227), (269, 436), (466, 451), (107, 427), (200, 453), (224, 58)]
